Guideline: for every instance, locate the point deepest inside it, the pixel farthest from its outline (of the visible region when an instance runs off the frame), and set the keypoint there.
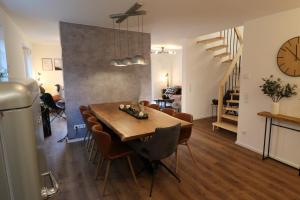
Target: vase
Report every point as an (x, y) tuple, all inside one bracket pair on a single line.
[(275, 108)]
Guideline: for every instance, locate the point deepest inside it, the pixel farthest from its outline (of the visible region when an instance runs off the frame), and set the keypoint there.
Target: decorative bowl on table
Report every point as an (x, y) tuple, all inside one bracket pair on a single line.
[(133, 112)]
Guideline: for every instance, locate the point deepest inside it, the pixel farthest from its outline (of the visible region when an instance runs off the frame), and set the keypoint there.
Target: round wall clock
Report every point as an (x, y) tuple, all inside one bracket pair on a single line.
[(288, 58)]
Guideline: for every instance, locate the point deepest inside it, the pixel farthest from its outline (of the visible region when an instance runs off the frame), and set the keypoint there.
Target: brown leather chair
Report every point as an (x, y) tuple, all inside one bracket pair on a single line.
[(110, 150), (83, 108), (85, 116), (91, 121), (154, 106), (168, 111), (185, 134), (144, 102)]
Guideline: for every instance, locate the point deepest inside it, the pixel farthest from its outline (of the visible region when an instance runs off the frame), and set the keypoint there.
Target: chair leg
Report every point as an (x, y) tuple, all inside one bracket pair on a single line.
[(176, 160), (152, 183), (99, 166), (188, 146), (88, 139), (131, 169), (90, 142), (85, 136), (95, 157), (106, 176), (170, 171), (92, 150)]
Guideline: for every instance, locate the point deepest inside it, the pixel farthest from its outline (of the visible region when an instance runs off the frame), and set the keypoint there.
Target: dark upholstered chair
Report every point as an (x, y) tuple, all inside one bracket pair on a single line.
[(144, 102), (185, 134), (56, 110), (110, 150), (169, 111), (161, 145), (154, 106)]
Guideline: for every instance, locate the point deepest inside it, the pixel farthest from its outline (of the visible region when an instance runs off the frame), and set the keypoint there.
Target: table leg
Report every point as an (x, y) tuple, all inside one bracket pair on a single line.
[(270, 134), (266, 124)]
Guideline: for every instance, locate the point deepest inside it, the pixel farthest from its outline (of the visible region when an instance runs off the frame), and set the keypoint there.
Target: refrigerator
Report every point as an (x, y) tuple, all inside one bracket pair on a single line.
[(23, 167)]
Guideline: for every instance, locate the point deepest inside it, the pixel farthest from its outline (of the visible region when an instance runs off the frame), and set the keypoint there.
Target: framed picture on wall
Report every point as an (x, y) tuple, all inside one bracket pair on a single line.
[(58, 64), (47, 64)]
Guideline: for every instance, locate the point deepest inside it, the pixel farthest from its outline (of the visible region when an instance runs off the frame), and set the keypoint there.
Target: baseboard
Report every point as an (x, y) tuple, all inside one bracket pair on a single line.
[(75, 140), (271, 155), (248, 147)]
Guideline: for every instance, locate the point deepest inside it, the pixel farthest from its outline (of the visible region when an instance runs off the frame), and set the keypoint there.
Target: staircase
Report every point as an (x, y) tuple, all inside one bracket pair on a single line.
[(227, 46)]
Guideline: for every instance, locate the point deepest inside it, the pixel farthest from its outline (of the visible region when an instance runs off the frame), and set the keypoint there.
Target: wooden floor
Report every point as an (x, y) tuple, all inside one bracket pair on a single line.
[(224, 171)]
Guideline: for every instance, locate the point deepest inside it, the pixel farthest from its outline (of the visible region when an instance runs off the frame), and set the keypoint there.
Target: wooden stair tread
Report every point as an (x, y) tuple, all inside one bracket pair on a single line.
[(232, 101), (211, 40), (231, 108), (222, 55), (230, 117), (227, 61), (227, 126), (216, 48)]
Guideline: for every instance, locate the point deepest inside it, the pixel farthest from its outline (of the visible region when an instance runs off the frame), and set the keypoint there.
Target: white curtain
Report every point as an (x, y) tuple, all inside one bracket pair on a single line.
[(28, 62)]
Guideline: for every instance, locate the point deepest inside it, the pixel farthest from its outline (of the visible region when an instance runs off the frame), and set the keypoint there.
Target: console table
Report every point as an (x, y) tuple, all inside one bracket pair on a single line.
[(278, 117)]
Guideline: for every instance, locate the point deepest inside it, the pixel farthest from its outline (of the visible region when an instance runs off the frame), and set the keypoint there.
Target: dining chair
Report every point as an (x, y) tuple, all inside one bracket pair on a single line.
[(154, 106), (168, 111), (85, 116), (144, 102), (110, 150), (161, 145), (56, 110), (185, 135), (91, 121), (83, 108)]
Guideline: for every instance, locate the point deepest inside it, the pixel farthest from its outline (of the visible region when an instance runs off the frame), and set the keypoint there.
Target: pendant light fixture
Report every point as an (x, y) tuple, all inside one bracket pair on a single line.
[(119, 62), (127, 61), (139, 59), (114, 62)]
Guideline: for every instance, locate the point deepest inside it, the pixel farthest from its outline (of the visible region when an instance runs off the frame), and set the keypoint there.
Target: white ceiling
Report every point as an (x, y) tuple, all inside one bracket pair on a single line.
[(168, 21)]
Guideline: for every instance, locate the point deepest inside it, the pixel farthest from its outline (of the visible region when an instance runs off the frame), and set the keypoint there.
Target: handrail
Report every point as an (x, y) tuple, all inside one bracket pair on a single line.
[(239, 35), (232, 65)]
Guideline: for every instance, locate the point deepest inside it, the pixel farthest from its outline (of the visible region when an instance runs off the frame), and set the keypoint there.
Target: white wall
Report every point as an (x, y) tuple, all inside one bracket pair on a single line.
[(48, 78), (201, 76), (263, 38), (162, 64), (15, 40)]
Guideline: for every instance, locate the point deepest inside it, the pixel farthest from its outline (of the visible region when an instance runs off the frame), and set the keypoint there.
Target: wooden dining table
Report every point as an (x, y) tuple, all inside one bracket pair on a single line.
[(128, 127)]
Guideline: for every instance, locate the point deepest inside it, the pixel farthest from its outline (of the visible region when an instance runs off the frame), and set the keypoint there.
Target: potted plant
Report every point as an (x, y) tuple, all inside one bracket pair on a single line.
[(275, 89)]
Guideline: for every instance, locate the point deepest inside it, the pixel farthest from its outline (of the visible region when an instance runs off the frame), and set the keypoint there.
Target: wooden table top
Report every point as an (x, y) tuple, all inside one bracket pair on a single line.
[(280, 117), (127, 127)]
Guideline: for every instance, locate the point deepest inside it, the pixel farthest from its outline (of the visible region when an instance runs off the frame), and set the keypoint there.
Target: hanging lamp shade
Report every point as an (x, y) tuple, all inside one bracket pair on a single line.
[(127, 61), (113, 62), (119, 63), (138, 60)]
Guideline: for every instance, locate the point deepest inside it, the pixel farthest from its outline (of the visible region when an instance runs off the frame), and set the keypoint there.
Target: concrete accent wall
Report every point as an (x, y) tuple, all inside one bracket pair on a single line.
[(88, 76)]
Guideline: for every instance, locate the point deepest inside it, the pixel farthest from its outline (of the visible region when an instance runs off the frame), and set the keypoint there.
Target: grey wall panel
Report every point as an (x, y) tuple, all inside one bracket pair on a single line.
[(88, 76)]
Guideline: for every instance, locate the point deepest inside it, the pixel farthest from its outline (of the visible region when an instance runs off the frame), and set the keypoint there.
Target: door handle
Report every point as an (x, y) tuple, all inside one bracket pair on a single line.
[(49, 192)]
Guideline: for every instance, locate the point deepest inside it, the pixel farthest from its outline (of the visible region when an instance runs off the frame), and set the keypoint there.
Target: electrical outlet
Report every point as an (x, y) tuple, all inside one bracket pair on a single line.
[(79, 126)]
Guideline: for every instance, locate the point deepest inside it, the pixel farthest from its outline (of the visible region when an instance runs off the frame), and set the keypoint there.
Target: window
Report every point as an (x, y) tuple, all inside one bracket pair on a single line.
[(3, 63), (28, 62)]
